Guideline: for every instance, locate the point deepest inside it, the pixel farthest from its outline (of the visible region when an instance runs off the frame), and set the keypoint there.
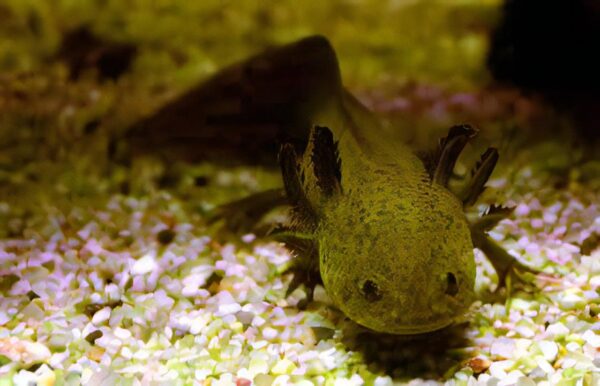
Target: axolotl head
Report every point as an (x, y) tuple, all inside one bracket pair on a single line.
[(398, 260)]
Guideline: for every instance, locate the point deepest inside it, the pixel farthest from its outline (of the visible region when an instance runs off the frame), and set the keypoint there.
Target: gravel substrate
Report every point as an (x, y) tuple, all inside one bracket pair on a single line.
[(138, 290)]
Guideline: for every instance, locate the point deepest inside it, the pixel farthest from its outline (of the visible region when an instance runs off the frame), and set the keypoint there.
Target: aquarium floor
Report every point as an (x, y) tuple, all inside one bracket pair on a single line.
[(137, 289)]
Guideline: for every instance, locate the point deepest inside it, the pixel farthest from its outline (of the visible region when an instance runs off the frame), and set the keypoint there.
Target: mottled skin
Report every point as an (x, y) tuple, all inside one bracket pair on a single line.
[(387, 246), (371, 221)]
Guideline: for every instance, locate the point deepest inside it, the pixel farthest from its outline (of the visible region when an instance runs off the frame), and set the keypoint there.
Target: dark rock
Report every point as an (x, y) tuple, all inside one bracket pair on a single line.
[(82, 50), (166, 236), (92, 336)]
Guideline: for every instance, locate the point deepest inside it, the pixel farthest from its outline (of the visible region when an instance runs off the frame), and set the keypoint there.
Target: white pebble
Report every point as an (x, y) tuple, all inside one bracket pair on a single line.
[(144, 265), (522, 210), (163, 301), (248, 238), (283, 366), (101, 316), (94, 247), (498, 369), (190, 291), (571, 301), (503, 347), (270, 333), (263, 380), (257, 366), (142, 354), (95, 298), (227, 309), (112, 292), (126, 352), (549, 218), (196, 279), (383, 381), (33, 311), (525, 381), (58, 359), (557, 330), (258, 321), (549, 349), (25, 377), (544, 365), (537, 223), (45, 376), (511, 378), (4, 318), (197, 325), (573, 346), (591, 338), (138, 284), (122, 333), (201, 375), (532, 249), (20, 288)]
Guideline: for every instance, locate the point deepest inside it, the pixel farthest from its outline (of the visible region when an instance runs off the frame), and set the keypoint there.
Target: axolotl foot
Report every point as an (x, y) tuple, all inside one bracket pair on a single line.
[(242, 215), (510, 271), (304, 266)]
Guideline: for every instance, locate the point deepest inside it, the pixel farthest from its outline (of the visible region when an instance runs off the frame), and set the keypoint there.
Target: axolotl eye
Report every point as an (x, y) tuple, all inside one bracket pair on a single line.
[(370, 291), (451, 284)]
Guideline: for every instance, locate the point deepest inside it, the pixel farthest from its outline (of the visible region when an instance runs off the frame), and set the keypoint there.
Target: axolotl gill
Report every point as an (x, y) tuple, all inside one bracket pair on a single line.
[(373, 222)]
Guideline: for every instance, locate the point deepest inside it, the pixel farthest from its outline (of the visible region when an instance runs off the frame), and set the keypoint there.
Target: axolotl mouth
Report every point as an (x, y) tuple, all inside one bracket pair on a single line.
[(437, 323), (432, 328), (423, 328)]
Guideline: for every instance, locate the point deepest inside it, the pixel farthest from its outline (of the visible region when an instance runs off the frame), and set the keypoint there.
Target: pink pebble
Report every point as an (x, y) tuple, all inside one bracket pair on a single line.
[(522, 210), (537, 223)]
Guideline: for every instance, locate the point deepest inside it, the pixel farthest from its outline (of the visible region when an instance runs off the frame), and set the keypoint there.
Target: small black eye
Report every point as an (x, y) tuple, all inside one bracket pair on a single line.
[(370, 291), (451, 284)]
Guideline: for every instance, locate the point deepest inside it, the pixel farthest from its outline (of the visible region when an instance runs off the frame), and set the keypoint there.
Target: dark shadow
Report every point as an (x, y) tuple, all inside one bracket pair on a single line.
[(82, 50), (427, 356), (548, 48)]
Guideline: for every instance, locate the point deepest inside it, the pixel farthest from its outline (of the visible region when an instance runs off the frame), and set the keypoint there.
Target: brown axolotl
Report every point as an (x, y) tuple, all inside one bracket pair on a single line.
[(371, 221)]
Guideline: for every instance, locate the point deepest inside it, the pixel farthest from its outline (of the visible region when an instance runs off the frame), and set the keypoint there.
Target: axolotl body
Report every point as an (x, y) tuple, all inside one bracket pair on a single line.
[(373, 222), (395, 251)]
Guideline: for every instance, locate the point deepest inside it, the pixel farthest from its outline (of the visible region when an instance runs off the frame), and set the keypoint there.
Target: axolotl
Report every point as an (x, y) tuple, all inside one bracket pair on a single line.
[(373, 222)]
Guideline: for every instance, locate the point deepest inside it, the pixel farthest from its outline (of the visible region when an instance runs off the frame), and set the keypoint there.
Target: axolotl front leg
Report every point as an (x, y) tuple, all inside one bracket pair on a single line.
[(299, 233), (321, 160)]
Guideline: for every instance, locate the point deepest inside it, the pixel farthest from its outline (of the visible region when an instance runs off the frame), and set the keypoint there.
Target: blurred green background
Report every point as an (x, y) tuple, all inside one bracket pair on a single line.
[(182, 41), (387, 49), (420, 64)]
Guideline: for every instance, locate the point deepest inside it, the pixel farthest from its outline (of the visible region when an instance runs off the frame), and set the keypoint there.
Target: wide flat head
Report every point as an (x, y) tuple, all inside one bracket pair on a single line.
[(398, 260)]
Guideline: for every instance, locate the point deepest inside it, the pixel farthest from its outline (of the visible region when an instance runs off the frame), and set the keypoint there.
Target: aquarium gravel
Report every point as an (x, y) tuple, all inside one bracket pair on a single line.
[(137, 289)]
